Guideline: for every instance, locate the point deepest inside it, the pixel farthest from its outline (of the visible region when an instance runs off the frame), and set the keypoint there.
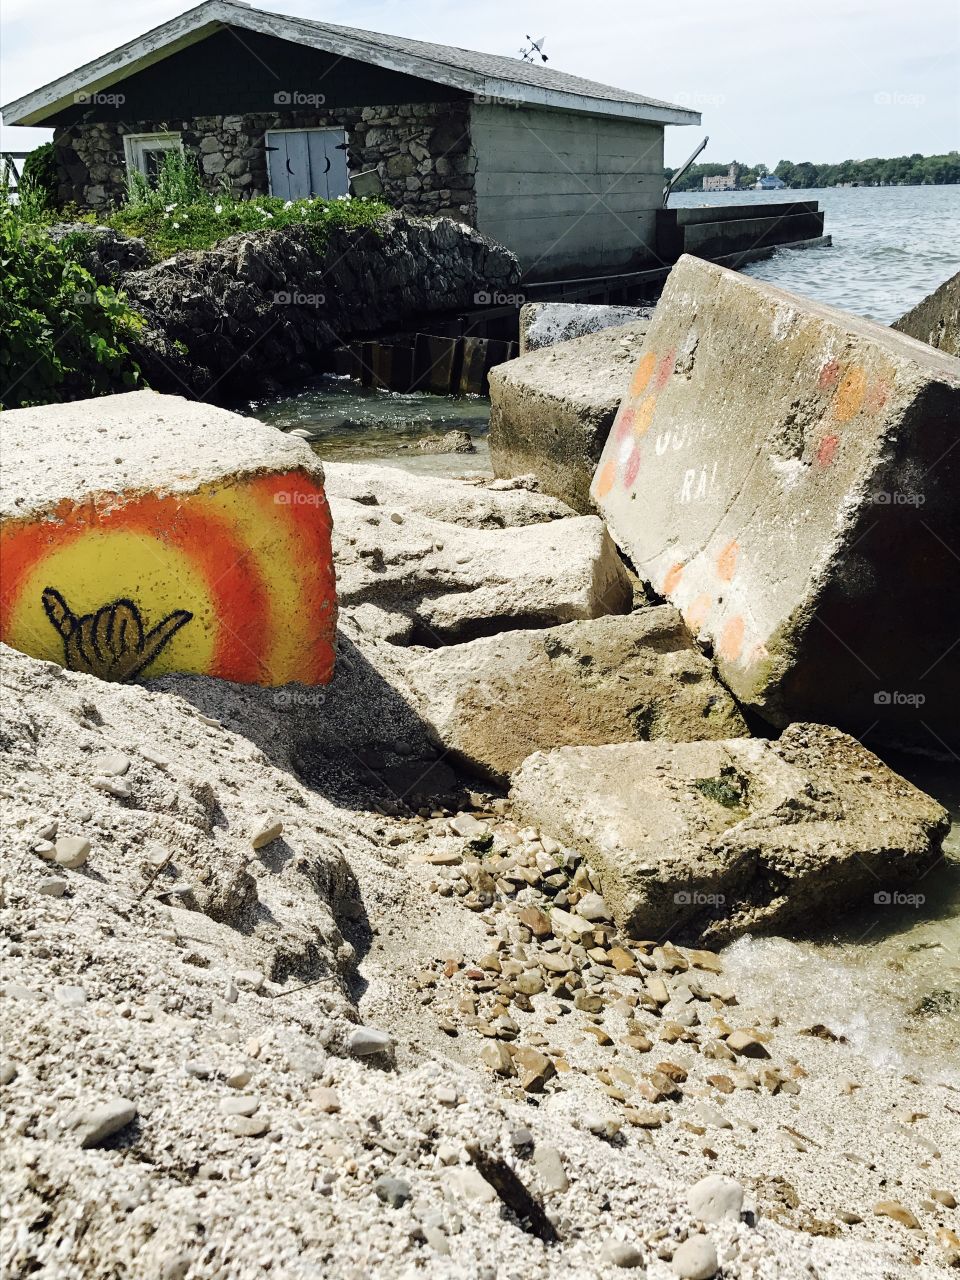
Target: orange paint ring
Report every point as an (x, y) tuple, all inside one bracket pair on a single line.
[(606, 477), (643, 373)]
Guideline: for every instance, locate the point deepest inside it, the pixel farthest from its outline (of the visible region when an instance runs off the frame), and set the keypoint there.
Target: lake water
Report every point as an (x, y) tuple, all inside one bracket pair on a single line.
[(891, 245), (887, 977)]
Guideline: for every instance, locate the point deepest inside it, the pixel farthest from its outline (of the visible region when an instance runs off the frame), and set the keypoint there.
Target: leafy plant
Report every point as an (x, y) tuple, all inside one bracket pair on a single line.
[(39, 183), (178, 212), (728, 789), (63, 335)]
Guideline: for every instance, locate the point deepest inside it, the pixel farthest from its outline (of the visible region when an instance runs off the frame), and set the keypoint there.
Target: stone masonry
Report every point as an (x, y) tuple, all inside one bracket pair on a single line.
[(420, 150)]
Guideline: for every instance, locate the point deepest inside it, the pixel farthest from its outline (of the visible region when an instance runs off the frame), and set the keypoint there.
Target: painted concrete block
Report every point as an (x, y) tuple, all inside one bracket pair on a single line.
[(142, 534), (788, 476)]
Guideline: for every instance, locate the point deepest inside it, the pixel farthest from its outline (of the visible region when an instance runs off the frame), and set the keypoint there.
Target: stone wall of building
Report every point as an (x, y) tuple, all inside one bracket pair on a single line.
[(420, 150)]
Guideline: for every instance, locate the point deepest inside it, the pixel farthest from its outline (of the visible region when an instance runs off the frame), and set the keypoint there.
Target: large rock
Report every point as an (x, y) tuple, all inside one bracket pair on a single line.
[(496, 700), (936, 320), (544, 324), (551, 410), (716, 838), (454, 582), (787, 474), (141, 534)]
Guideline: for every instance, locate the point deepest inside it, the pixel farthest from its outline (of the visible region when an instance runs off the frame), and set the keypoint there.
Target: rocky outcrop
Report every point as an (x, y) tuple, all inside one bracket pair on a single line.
[(259, 308), (714, 839), (495, 701), (781, 471), (105, 253), (936, 320), (551, 410)]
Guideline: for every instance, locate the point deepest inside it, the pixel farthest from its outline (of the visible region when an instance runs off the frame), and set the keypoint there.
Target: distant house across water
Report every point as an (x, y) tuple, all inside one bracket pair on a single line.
[(770, 182), (729, 181)]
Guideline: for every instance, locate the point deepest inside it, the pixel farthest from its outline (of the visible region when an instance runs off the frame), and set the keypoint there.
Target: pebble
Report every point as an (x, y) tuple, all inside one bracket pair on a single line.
[(467, 826), (715, 1197), (52, 887), (365, 1041), (70, 997), (549, 1166), (621, 1254), (72, 851), (111, 765), (239, 1105), (325, 1099), (592, 907), (96, 1124), (746, 1045), (230, 992), (119, 788), (392, 1191), (237, 1076), (521, 1139), (8, 1073), (246, 1126), (268, 831), (711, 1117), (946, 1198), (696, 1259), (898, 1212), (249, 979)]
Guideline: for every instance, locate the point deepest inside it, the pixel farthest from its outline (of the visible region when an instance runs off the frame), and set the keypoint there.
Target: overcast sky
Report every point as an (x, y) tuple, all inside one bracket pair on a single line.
[(823, 80)]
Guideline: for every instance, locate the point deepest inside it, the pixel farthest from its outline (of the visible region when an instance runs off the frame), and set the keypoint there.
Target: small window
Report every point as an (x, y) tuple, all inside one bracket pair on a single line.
[(144, 151)]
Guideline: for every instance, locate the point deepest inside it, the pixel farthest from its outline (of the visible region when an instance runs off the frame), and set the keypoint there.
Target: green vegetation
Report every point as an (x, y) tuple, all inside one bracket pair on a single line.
[(915, 170), (728, 789), (63, 335), (177, 212)]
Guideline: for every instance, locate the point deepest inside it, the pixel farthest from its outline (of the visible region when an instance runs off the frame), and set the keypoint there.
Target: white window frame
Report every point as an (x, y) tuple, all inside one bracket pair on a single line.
[(136, 146)]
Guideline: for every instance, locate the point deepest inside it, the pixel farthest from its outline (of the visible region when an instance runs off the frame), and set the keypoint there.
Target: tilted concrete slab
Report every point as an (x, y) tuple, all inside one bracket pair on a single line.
[(544, 324), (936, 320), (551, 410), (143, 534), (789, 476), (711, 839)]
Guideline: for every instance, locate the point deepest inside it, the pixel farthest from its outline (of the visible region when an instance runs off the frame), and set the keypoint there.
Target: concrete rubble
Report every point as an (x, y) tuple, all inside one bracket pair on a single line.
[(544, 324), (551, 410), (712, 839), (781, 471), (936, 320)]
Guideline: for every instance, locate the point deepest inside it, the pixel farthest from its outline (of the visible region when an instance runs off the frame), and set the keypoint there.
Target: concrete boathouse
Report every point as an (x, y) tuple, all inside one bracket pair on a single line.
[(566, 172)]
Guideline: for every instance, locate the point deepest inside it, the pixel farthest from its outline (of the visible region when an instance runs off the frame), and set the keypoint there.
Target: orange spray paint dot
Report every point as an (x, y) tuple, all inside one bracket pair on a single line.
[(665, 369), (731, 639), (848, 399), (672, 580), (605, 478), (696, 615), (643, 373), (644, 416), (829, 375), (727, 560), (827, 449)]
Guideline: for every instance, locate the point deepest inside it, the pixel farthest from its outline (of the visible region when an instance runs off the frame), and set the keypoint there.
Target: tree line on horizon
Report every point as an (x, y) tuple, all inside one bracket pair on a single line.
[(898, 171)]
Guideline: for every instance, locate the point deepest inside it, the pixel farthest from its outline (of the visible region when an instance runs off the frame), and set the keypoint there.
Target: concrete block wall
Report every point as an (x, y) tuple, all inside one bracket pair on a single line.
[(569, 194)]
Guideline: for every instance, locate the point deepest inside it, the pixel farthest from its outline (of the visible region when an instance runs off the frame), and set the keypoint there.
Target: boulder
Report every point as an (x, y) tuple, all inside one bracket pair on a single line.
[(787, 475), (544, 324), (460, 583), (936, 320), (143, 534), (494, 701), (551, 410), (712, 839)]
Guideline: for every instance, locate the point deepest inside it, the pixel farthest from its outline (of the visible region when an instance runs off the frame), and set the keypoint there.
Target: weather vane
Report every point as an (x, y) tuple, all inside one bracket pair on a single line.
[(534, 50)]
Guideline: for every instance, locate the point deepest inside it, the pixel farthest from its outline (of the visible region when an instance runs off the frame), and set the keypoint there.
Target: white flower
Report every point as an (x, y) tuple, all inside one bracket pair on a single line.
[(288, 204), (218, 208), (170, 208), (176, 224)]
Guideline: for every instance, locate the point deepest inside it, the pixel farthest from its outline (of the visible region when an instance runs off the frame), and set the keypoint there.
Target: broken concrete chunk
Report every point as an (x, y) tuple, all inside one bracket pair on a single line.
[(711, 839), (544, 324), (936, 320), (145, 534), (551, 411), (783, 472), (494, 701), (94, 1126)]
